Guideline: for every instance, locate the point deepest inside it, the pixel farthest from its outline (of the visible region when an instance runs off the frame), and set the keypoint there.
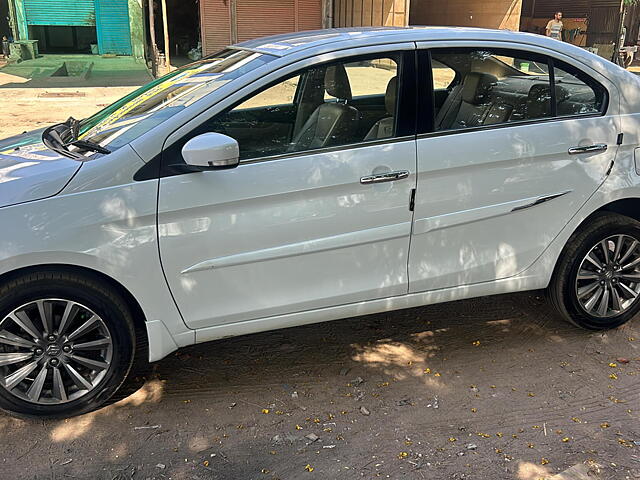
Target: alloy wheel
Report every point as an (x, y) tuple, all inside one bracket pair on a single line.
[(53, 351), (608, 279)]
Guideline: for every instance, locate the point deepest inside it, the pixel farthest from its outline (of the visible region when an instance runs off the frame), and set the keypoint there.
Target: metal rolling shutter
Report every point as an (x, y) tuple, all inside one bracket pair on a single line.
[(60, 12), (255, 18), (259, 18), (309, 14), (215, 18), (114, 34)]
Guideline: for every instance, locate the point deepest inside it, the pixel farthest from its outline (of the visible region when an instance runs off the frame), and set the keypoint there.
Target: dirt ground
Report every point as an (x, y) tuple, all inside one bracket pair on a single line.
[(24, 109), (493, 388)]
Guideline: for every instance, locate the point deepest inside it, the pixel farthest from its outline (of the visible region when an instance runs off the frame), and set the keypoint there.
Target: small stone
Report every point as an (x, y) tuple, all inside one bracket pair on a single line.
[(472, 446), (357, 381), (161, 466), (364, 411), (312, 437), (294, 395)]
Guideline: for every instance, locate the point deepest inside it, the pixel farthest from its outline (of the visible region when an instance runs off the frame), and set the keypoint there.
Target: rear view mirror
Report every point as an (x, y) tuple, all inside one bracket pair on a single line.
[(211, 151)]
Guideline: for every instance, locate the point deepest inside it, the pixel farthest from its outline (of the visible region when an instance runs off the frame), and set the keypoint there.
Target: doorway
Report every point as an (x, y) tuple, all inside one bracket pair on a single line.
[(183, 18)]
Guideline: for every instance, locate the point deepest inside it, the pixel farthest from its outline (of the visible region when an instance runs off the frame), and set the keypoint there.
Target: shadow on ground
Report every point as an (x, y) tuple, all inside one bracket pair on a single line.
[(497, 387)]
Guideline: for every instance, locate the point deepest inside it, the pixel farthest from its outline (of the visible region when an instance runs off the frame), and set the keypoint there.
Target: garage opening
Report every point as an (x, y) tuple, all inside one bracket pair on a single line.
[(62, 39), (5, 31), (183, 18)]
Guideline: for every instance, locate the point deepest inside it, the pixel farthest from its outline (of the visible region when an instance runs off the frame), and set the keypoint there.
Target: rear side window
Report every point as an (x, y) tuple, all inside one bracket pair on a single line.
[(577, 93), (493, 87)]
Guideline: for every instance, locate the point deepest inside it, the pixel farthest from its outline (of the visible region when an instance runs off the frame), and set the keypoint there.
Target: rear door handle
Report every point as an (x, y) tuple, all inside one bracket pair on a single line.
[(598, 147), (385, 177)]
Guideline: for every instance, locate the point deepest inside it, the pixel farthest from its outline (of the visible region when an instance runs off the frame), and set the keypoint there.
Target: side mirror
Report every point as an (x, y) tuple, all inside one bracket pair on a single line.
[(211, 151)]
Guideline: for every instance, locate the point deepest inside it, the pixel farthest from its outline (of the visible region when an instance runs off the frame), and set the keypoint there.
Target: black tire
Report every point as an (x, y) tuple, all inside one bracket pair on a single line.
[(562, 289), (100, 299)]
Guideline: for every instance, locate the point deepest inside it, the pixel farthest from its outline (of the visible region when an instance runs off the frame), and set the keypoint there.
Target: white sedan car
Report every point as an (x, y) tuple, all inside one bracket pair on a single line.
[(310, 177)]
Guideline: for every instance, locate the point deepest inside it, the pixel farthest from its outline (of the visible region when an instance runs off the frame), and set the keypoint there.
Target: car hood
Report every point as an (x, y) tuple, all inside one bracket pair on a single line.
[(30, 171)]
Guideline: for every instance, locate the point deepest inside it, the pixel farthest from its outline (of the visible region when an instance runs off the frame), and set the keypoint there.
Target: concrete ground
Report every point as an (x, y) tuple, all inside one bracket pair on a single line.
[(493, 388)]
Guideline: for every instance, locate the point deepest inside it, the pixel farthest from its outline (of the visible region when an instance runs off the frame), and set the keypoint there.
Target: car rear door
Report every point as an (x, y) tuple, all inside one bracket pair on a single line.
[(511, 162), (287, 230)]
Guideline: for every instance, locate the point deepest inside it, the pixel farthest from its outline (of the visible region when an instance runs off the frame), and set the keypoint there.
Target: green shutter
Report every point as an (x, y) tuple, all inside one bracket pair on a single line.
[(114, 33), (60, 12)]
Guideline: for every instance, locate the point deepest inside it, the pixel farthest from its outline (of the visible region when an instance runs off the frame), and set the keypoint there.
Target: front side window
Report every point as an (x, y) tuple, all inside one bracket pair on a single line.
[(329, 105)]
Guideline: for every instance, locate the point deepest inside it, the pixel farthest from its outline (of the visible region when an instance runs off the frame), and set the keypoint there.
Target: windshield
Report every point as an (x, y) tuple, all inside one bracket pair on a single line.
[(150, 105)]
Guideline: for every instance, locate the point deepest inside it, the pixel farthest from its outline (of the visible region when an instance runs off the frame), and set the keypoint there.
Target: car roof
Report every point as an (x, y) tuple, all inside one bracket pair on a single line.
[(289, 43)]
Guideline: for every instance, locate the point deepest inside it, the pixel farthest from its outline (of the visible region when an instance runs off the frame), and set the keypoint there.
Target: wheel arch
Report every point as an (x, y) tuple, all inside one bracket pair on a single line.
[(629, 207), (138, 315)]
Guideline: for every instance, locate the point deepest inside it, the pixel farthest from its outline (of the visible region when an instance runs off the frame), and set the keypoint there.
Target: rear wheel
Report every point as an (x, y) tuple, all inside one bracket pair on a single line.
[(67, 343), (597, 281)]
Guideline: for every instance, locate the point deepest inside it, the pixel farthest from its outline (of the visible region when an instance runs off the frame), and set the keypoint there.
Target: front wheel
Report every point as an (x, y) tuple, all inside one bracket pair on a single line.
[(596, 284), (66, 344)]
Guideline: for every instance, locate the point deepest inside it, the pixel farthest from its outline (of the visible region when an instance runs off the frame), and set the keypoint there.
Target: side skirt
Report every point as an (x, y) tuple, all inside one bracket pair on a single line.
[(508, 285)]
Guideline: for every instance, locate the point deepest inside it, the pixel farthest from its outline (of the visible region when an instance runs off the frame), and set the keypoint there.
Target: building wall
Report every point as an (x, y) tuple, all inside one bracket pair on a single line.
[(501, 14), (137, 27), (379, 13)]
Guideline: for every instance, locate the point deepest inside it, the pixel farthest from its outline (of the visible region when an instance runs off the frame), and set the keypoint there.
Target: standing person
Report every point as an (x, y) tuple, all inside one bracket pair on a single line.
[(555, 26), (5, 46)]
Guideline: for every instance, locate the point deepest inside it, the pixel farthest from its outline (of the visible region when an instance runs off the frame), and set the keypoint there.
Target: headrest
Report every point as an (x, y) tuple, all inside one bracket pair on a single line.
[(476, 87), (336, 82), (391, 96)]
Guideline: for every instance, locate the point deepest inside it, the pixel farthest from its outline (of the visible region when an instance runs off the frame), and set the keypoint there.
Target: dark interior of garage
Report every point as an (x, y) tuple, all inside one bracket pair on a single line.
[(183, 18), (64, 39), (5, 31)]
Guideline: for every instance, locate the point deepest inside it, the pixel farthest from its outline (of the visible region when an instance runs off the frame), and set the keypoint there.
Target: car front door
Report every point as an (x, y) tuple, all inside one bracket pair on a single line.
[(316, 214), (505, 162)]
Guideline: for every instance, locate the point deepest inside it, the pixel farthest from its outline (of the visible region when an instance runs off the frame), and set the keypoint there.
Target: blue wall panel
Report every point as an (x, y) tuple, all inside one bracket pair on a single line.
[(114, 34)]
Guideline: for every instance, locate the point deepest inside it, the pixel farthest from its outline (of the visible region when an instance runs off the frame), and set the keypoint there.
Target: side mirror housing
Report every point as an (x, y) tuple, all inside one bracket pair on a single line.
[(211, 151)]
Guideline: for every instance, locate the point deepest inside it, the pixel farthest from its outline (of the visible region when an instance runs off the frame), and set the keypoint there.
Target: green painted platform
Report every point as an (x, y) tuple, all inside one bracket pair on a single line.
[(78, 71)]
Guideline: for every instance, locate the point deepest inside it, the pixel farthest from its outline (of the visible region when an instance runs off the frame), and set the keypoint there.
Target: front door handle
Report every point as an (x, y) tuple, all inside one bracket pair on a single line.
[(385, 177), (598, 147)]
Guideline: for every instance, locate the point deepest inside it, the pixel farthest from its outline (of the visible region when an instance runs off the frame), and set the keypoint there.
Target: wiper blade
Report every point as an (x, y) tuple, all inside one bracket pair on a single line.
[(52, 138), (89, 145), (74, 130), (74, 127)]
